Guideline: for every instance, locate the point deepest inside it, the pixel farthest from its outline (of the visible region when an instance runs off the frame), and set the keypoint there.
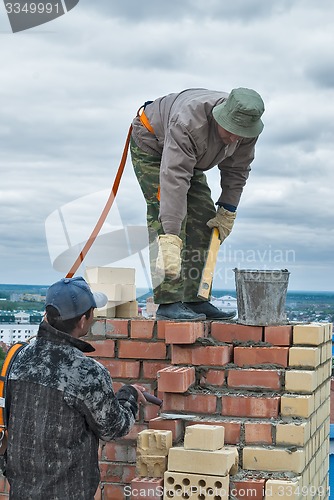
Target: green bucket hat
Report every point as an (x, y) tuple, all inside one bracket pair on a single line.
[(241, 113)]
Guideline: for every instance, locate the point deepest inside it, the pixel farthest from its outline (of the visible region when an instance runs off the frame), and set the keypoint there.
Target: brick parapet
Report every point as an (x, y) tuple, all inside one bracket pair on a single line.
[(268, 386)]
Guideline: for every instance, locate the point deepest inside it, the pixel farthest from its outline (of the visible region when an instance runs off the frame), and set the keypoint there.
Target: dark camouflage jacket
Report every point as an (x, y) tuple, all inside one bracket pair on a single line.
[(61, 403)]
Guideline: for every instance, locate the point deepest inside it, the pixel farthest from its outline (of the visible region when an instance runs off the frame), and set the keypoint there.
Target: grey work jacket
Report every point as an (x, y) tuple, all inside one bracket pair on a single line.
[(186, 137)]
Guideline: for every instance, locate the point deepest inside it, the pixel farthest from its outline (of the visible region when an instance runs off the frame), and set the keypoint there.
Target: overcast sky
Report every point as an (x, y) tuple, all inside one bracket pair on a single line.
[(70, 88)]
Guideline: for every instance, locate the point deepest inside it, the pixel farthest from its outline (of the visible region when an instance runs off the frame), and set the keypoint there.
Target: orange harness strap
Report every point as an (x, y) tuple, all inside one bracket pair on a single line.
[(144, 120), (105, 211), (11, 354)]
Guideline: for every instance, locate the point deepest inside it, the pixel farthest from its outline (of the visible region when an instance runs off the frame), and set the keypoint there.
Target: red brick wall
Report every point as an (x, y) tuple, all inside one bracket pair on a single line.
[(233, 375)]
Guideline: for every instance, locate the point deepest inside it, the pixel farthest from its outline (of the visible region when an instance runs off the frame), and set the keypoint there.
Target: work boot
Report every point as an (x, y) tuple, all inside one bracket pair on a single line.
[(178, 312), (210, 311)]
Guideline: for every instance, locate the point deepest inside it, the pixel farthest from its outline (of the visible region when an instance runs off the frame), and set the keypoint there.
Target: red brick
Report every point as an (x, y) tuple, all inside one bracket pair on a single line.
[(247, 488), (212, 355), (147, 487), (103, 349), (119, 452), (150, 411), (114, 491), (150, 369), (250, 406), (213, 377), (117, 472), (232, 429), (141, 350), (226, 332), (258, 433), (199, 403), (117, 385), (141, 328), (184, 333), (278, 335), (98, 494), (174, 425), (175, 378), (202, 355), (122, 369), (254, 356), (4, 486), (134, 431), (181, 355), (161, 327), (117, 327), (252, 378)]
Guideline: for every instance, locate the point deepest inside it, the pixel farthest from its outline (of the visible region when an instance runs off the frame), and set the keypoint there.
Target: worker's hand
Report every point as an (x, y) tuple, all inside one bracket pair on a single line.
[(224, 221), (169, 256), (140, 389)]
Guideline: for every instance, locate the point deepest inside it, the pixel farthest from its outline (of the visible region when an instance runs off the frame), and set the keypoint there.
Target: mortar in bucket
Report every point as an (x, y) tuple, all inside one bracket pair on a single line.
[(261, 296)]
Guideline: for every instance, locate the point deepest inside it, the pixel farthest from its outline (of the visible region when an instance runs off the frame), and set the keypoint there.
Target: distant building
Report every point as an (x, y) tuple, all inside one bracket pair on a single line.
[(22, 317), (33, 297), (151, 308), (9, 333), (7, 317), (27, 297)]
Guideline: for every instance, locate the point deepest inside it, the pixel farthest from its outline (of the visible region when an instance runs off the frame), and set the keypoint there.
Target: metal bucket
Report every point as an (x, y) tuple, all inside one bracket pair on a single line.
[(261, 296)]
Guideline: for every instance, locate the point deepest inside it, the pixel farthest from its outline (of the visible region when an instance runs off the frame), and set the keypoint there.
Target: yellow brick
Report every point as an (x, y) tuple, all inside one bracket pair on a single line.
[(304, 356), (128, 293), (217, 463), (204, 437), (154, 442), (328, 369), (301, 381), (112, 290), (293, 433), (151, 466), (273, 459), (107, 275), (311, 334), (317, 398), (127, 310), (276, 489), (108, 311), (328, 331), (195, 486), (297, 406)]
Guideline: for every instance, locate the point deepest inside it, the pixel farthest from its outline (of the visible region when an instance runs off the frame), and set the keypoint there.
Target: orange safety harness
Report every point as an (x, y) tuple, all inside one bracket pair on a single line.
[(4, 376), (144, 120)]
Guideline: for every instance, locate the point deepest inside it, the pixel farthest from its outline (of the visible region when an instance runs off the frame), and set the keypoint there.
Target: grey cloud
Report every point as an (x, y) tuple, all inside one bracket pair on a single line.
[(322, 73), (155, 10), (68, 97)]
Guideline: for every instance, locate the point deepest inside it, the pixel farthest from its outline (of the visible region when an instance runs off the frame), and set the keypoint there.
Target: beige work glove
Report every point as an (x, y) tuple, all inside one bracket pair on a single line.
[(169, 256), (224, 221)]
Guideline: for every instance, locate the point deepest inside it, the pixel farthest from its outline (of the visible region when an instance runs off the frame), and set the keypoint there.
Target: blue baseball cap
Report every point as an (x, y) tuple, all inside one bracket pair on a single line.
[(73, 297)]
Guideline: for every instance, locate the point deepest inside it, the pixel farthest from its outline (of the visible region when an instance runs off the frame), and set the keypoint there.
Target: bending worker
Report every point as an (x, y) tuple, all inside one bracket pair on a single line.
[(174, 140)]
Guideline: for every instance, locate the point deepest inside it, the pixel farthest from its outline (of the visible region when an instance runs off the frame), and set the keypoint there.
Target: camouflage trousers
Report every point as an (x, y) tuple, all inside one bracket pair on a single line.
[(195, 234)]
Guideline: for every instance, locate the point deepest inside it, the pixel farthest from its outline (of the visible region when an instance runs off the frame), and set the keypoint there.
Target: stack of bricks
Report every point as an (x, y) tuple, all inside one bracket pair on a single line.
[(268, 387), (119, 286), (152, 452), (202, 467)]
